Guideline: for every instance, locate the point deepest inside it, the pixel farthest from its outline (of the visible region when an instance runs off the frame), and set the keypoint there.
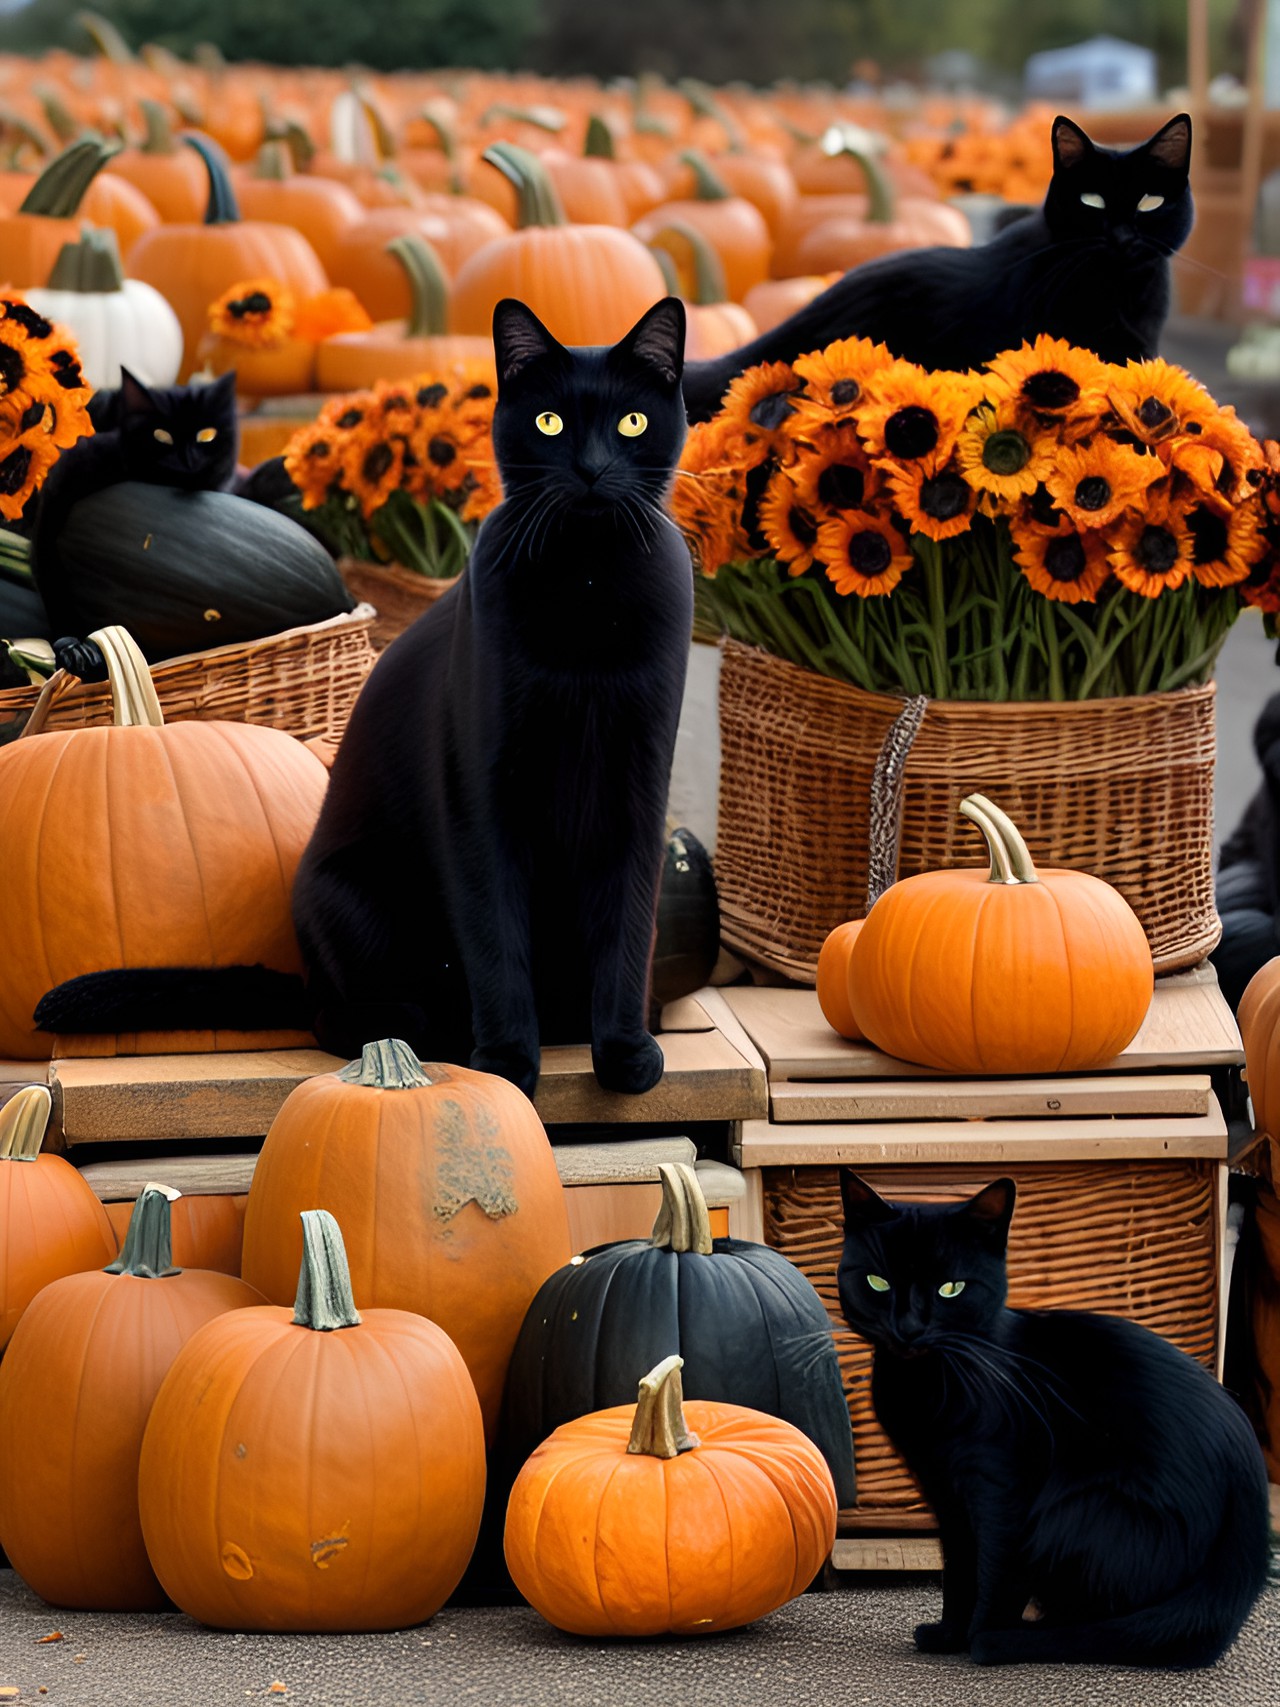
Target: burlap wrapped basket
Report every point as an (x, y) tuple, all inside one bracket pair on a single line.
[(1122, 788)]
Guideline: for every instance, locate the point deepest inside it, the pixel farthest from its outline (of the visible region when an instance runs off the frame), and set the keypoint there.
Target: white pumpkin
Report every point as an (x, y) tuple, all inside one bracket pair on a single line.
[(116, 321)]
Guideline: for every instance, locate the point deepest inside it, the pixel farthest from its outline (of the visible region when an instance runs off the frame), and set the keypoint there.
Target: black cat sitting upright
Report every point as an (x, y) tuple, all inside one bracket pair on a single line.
[(185, 436), (484, 874), (1100, 1498), (1092, 266)]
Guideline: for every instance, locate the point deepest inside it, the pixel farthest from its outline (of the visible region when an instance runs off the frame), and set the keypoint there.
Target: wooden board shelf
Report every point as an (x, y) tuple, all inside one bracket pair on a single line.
[(1064, 1098)]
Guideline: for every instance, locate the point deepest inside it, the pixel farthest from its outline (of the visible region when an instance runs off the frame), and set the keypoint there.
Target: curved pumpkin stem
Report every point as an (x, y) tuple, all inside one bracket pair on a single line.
[(659, 1429), (106, 38), (683, 1223), (598, 143), (550, 119), (324, 1300), (274, 163), (133, 693), (428, 287), (148, 1244), (708, 271), (708, 185), (389, 1065), (222, 207), (23, 1121), (19, 133), (702, 100), (159, 137), (59, 190), (92, 265), (441, 122), (859, 145), (538, 203), (1011, 860), (57, 114)]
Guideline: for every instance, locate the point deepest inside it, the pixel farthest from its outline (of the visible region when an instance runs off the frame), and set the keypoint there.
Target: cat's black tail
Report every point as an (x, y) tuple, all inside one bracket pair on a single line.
[(175, 998)]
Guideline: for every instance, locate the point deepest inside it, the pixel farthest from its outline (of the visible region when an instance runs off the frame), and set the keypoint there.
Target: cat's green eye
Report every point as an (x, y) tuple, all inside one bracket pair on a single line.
[(1091, 198), (206, 435), (1149, 204), (164, 437), (951, 1289), (877, 1283), (631, 426), (549, 423)]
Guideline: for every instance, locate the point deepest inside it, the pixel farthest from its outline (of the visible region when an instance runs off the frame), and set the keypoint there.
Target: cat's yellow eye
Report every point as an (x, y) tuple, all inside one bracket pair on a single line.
[(549, 423), (1149, 204), (877, 1283), (163, 437), (206, 435), (1091, 198), (631, 426), (951, 1289)]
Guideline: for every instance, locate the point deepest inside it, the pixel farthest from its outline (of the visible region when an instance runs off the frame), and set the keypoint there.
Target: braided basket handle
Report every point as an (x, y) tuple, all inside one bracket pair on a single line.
[(888, 786)]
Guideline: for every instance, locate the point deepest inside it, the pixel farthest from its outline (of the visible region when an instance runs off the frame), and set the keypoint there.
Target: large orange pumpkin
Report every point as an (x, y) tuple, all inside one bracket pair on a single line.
[(146, 844), (447, 1188), (51, 1223), (322, 209), (1015, 971), (32, 238), (171, 177), (662, 1517), (456, 227), (734, 227), (310, 1468), (588, 284), (87, 1360)]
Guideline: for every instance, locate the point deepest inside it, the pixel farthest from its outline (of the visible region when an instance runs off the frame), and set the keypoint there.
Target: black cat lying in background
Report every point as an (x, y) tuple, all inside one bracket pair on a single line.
[(1100, 1498), (1091, 267)]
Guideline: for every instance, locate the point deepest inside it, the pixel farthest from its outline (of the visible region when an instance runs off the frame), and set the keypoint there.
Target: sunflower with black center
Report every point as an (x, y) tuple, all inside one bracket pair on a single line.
[(1094, 484), (1049, 380), (863, 553), (1155, 401), (834, 379), (313, 460), (372, 469), (348, 411), (26, 456), (790, 526), (1151, 550), (1070, 567), (1002, 456), (706, 504), (939, 505), (1225, 544), (909, 415), (483, 491), (256, 312), (1222, 459), (833, 472), (25, 371), (755, 413)]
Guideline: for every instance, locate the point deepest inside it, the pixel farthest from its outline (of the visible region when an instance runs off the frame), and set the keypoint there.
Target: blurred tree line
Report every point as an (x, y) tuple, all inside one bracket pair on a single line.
[(757, 41)]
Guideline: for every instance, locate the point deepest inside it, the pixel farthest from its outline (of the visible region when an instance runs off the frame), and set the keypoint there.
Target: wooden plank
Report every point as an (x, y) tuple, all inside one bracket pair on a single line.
[(886, 1553), (765, 1145), (687, 1014), (632, 1161), (1189, 1024), (706, 1079), (990, 1099), (193, 1176), (24, 1072)]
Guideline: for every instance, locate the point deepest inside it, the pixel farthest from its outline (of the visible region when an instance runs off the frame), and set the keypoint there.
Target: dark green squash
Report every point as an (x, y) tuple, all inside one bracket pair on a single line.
[(186, 571), (749, 1325), (688, 939)]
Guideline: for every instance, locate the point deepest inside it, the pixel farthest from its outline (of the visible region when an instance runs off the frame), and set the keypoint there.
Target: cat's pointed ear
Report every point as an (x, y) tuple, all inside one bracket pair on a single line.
[(992, 1208), (1171, 145), (1070, 144), (224, 387), (519, 338), (135, 399), (657, 340), (862, 1206)]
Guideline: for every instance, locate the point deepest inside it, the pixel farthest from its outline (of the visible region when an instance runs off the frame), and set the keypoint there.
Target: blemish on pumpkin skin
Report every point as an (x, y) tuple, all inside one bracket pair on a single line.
[(323, 1553), (471, 1168), (236, 1562)]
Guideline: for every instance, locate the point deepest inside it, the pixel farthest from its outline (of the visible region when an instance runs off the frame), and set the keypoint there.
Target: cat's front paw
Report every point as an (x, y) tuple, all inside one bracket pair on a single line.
[(508, 1061), (941, 1638), (630, 1066)]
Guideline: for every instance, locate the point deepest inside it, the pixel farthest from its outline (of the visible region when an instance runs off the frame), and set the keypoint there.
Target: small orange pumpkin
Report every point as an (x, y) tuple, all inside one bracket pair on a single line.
[(734, 227), (657, 1518), (713, 325), (834, 960)]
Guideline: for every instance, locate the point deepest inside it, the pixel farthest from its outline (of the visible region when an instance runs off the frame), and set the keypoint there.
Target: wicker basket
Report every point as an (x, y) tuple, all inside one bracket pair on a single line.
[(304, 681), (1122, 788), (1134, 1239), (398, 595)]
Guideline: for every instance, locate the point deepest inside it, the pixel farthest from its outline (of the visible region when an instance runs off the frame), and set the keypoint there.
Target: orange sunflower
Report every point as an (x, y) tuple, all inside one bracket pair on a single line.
[(909, 415), (940, 505), (25, 370), (1225, 545), (484, 491), (372, 467), (1152, 550), (756, 410), (790, 527), (1070, 567), (1000, 460), (834, 379), (347, 411), (862, 553), (707, 507), (1262, 587), (1154, 400), (833, 472), (1050, 380), (1095, 483), (313, 461), (256, 312), (1219, 456), (26, 456)]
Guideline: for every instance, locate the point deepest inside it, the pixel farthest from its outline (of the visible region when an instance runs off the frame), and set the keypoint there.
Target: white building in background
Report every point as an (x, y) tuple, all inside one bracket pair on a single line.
[(1103, 72)]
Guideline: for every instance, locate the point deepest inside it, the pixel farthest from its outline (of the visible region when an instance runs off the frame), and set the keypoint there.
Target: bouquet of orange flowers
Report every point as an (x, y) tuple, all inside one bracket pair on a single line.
[(404, 472), (1051, 527)]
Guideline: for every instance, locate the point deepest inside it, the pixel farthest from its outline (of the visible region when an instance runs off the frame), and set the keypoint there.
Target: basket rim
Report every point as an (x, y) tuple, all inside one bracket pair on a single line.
[(987, 707)]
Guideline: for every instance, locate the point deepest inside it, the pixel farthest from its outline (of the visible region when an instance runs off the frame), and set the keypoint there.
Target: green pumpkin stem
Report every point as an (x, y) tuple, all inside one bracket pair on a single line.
[(537, 201), (428, 287), (324, 1300), (388, 1065), (708, 271), (159, 137), (274, 163), (708, 186), (856, 144), (59, 190), (1011, 860), (106, 38), (222, 207), (19, 133), (598, 144), (23, 1121), (133, 695), (302, 151), (91, 266), (702, 100), (57, 114), (659, 1429), (148, 1244), (683, 1223), (550, 119)]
